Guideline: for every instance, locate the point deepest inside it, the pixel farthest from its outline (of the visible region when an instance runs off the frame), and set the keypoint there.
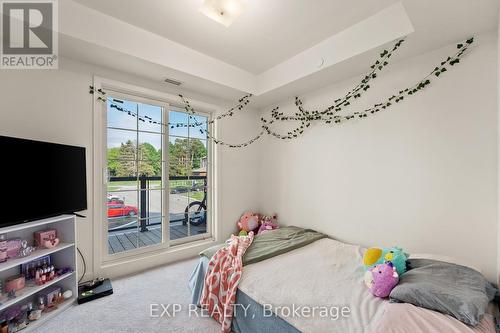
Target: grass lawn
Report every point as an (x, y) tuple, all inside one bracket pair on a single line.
[(196, 196)]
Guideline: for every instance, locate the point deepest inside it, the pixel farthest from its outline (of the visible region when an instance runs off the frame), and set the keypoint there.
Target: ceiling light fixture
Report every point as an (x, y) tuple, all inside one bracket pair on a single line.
[(224, 12)]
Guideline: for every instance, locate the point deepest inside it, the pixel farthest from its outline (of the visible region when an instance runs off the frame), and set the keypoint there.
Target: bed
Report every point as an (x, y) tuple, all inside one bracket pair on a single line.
[(294, 269)]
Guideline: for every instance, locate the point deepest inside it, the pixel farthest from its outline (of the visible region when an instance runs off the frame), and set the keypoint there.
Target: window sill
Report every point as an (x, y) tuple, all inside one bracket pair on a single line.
[(121, 266)]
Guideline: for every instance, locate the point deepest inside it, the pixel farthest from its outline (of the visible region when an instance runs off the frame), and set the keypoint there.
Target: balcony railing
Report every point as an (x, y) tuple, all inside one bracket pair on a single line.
[(141, 224)]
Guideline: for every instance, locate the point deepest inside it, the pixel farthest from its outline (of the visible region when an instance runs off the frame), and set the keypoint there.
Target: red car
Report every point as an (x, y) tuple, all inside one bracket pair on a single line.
[(118, 208)]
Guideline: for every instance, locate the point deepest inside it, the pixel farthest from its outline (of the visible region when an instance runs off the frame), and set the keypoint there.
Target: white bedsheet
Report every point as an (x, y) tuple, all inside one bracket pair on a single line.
[(325, 273)]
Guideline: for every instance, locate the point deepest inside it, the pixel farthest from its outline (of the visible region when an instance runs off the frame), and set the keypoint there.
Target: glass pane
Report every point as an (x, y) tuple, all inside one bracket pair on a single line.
[(178, 202), (125, 239), (122, 213), (200, 127), (150, 118), (178, 122), (122, 208), (151, 203), (178, 167), (199, 157), (179, 185), (122, 169), (155, 184), (122, 144), (149, 231), (150, 146), (121, 114), (134, 143), (198, 208), (121, 183)]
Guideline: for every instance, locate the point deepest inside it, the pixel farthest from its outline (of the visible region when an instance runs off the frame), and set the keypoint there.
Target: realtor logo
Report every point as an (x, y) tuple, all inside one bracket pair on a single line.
[(29, 34)]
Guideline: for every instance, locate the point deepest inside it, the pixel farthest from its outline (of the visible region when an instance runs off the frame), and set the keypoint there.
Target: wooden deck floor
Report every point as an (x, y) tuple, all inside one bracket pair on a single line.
[(119, 241)]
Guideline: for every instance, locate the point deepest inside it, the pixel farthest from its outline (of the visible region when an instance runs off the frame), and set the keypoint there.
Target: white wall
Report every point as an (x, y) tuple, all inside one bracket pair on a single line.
[(498, 152), (422, 175), (54, 105)]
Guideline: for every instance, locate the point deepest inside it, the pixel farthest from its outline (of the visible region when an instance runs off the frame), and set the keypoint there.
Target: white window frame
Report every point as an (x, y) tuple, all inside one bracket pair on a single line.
[(143, 95)]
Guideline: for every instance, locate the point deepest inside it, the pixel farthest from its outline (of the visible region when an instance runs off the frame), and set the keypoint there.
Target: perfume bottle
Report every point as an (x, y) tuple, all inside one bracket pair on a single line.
[(29, 308), (41, 303), (52, 272), (38, 278)]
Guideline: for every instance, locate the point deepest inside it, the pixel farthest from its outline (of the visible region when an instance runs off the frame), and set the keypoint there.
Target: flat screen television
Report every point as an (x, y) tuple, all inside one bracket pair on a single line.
[(40, 180)]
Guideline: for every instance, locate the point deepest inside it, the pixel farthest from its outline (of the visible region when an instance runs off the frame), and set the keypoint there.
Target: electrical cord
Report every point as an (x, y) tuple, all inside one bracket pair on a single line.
[(84, 265)]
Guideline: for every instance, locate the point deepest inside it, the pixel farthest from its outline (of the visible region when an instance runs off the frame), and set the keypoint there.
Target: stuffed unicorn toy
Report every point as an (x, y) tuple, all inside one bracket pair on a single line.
[(381, 279), (268, 223)]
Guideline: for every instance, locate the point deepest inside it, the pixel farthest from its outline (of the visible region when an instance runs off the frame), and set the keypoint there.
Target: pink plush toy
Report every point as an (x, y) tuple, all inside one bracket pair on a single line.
[(248, 222), (268, 223), (381, 279)]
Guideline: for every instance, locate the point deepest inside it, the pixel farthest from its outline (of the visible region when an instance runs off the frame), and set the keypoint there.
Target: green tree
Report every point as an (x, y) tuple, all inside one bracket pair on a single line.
[(185, 154), (113, 160), (133, 160), (152, 156)]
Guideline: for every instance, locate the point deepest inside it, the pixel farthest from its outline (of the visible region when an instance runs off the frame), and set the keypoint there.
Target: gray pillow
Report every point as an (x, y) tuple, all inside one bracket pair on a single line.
[(452, 289)]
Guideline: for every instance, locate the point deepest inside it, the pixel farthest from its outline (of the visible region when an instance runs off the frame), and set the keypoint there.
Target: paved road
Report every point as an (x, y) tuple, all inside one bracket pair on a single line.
[(177, 205), (177, 202)]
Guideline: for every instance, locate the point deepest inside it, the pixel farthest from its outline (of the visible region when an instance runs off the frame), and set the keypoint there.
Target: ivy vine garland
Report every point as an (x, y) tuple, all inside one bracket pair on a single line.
[(328, 115)]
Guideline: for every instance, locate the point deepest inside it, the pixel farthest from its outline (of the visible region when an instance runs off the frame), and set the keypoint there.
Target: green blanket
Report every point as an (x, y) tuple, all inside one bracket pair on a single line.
[(273, 243)]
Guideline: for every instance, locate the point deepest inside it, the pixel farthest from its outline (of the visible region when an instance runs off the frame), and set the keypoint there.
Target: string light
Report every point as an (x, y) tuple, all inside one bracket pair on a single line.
[(329, 115)]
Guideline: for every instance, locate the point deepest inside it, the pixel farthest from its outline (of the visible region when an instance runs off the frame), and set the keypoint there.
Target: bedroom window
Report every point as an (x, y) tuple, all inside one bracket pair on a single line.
[(157, 161)]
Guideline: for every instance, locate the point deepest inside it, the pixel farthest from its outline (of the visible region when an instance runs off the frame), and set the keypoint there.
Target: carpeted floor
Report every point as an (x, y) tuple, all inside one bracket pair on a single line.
[(128, 309)]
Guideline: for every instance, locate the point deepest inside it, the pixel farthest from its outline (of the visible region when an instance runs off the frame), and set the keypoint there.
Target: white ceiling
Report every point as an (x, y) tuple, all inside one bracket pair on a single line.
[(266, 34)]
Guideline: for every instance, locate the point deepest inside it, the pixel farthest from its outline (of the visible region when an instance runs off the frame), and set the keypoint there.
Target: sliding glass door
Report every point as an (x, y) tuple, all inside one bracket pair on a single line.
[(157, 175)]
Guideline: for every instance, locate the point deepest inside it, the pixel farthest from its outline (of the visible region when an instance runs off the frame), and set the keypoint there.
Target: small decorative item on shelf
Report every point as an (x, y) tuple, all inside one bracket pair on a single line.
[(35, 315), (22, 318), (13, 247), (51, 297), (25, 249), (41, 303), (15, 283), (16, 318), (29, 308), (44, 274), (46, 238), (32, 313), (11, 294), (63, 271), (3, 249), (39, 271), (67, 294)]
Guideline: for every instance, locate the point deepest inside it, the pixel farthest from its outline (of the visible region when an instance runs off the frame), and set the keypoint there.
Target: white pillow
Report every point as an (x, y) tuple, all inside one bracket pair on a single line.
[(450, 260)]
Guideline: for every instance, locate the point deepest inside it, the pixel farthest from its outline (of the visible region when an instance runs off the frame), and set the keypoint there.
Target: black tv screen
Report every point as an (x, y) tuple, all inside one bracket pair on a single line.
[(40, 179)]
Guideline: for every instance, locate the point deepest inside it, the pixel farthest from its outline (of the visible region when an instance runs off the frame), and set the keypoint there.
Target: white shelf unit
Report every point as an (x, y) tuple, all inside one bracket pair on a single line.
[(63, 255)]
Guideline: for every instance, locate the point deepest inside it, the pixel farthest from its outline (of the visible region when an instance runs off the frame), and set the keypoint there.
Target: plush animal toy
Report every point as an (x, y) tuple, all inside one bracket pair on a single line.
[(248, 222), (375, 256), (381, 279), (268, 223)]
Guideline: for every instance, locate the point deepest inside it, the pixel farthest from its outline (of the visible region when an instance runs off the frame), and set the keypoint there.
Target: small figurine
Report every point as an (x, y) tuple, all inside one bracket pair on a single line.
[(35, 315), (25, 250)]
